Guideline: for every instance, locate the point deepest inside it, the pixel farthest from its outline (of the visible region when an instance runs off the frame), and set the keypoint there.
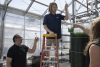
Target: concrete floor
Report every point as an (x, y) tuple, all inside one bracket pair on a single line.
[(65, 64), (61, 65)]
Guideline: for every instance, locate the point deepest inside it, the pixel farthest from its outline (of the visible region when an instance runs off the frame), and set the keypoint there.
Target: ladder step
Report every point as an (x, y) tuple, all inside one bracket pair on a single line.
[(49, 50), (51, 46), (50, 61), (50, 57), (49, 35)]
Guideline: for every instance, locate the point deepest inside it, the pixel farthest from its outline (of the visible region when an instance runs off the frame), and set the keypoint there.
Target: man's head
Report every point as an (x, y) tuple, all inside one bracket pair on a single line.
[(53, 7), (17, 39)]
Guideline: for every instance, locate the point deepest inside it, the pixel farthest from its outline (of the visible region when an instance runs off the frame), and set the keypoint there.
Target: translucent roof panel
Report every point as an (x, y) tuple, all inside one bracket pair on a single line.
[(80, 7), (47, 2), (38, 8), (61, 4), (2, 1), (20, 4), (70, 9)]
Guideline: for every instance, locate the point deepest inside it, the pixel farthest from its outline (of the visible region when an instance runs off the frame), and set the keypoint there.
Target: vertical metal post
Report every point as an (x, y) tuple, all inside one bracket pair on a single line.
[(96, 6), (73, 13), (3, 13), (40, 32), (2, 37), (24, 30), (87, 5)]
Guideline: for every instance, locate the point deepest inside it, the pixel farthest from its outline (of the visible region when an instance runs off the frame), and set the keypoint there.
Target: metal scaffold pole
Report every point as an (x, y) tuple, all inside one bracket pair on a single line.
[(96, 6), (3, 14), (73, 9)]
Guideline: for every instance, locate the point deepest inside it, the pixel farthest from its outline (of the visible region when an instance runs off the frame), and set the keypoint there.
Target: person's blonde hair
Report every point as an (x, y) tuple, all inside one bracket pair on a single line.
[(50, 6), (94, 33)]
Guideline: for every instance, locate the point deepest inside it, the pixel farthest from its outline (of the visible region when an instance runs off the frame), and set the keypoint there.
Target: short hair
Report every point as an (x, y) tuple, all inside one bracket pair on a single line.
[(15, 37), (50, 6)]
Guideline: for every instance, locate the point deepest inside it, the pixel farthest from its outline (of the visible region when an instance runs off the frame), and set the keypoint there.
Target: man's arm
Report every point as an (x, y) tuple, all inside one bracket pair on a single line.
[(34, 46), (9, 60), (83, 28), (50, 32), (46, 28), (66, 10)]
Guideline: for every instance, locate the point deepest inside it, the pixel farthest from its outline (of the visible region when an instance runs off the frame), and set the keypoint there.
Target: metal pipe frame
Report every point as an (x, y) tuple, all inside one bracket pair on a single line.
[(87, 5), (96, 6), (5, 2), (85, 15), (44, 4), (24, 26), (4, 10), (64, 8), (29, 6), (82, 4), (6, 6), (40, 32), (73, 14), (45, 12), (1, 37), (20, 12), (80, 20)]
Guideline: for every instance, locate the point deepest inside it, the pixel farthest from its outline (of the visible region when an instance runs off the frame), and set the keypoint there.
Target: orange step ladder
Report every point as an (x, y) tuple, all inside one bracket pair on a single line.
[(43, 61)]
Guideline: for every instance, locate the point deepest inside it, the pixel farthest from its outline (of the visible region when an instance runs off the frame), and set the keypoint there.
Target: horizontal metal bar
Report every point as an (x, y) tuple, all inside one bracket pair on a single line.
[(51, 46), (50, 61), (50, 57), (82, 4), (49, 50), (45, 5), (29, 6)]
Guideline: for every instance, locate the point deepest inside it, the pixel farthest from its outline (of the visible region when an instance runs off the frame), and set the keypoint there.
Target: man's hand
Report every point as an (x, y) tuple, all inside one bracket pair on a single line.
[(36, 39), (52, 33), (66, 6)]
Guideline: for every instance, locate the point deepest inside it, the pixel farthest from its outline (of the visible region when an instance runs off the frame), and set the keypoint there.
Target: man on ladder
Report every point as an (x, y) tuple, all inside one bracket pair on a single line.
[(52, 24)]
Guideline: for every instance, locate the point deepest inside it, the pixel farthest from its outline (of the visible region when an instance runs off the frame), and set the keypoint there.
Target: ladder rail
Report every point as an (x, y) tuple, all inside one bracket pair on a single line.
[(43, 51)]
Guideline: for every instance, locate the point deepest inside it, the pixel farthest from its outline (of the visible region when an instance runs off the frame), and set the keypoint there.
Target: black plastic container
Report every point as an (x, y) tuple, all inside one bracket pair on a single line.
[(78, 42)]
